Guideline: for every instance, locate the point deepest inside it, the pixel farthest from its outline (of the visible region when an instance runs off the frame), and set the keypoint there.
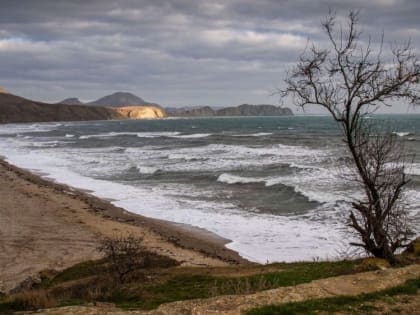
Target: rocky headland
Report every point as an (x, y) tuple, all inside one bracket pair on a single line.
[(140, 112)]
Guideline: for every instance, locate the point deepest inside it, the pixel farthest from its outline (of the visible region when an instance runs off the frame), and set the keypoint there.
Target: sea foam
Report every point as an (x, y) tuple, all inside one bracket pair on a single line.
[(259, 237)]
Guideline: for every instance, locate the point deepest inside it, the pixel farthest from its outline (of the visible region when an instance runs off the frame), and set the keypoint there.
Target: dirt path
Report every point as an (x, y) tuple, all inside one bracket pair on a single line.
[(235, 305), (395, 305), (44, 225)]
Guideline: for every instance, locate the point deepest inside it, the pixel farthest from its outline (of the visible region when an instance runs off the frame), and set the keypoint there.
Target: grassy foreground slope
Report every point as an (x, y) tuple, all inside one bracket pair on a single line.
[(230, 288), (163, 282), (394, 300)]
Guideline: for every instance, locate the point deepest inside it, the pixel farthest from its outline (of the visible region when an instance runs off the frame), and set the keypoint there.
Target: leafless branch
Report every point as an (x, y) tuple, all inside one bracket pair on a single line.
[(350, 81)]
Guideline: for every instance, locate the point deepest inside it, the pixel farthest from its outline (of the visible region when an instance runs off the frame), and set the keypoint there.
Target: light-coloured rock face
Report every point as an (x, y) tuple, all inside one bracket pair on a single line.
[(4, 91), (140, 112)]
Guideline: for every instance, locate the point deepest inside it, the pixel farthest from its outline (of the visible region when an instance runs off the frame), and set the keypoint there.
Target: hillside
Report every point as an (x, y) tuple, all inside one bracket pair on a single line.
[(71, 101), (16, 109), (118, 99), (254, 110), (241, 110), (205, 111)]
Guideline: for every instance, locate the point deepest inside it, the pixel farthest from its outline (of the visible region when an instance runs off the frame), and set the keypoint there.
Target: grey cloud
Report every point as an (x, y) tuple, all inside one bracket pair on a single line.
[(172, 52)]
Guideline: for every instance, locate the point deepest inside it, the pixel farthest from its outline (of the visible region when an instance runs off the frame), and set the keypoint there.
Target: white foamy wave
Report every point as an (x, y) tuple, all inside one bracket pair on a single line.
[(233, 179), (11, 129), (46, 144), (318, 184), (108, 134), (401, 134), (223, 158), (411, 198), (413, 169), (274, 150), (258, 134), (131, 133), (147, 170), (186, 157), (192, 136), (302, 166), (157, 134), (69, 135), (261, 241), (265, 238), (100, 150), (322, 190)]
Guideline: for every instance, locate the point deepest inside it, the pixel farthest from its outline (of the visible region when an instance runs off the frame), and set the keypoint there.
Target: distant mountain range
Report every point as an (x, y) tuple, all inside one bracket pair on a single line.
[(241, 110), (123, 99), (120, 105), (118, 99)]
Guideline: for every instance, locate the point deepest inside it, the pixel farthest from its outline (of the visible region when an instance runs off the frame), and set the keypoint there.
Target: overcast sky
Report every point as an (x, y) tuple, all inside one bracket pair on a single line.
[(175, 53)]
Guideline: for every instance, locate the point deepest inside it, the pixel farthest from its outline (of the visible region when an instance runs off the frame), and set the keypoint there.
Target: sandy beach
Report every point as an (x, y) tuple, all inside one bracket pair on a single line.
[(45, 225)]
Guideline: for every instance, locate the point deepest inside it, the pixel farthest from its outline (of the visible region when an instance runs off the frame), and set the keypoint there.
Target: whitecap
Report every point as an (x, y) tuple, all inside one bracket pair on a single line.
[(413, 169), (46, 144), (401, 134), (258, 134), (186, 157), (264, 237), (233, 179), (147, 170), (192, 136), (108, 134), (157, 134)]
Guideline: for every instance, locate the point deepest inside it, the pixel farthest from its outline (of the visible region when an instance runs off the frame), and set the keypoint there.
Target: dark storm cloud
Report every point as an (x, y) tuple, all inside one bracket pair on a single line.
[(172, 52)]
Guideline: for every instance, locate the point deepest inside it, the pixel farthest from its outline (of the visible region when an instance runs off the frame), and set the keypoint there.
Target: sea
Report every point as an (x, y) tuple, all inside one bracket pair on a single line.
[(276, 187)]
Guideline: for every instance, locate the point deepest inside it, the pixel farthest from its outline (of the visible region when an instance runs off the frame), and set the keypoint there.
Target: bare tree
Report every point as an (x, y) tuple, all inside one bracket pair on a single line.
[(126, 254), (350, 81)]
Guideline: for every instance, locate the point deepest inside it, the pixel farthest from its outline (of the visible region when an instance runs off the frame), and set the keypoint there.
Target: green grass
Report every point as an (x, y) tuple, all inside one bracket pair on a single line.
[(72, 286), (352, 304), (79, 271), (7, 308), (186, 287)]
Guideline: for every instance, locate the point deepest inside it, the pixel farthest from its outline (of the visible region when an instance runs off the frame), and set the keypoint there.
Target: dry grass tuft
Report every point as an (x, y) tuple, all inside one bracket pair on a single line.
[(33, 299)]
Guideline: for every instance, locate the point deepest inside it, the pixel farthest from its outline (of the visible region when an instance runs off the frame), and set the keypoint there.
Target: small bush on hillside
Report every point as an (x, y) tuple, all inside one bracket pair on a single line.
[(126, 254)]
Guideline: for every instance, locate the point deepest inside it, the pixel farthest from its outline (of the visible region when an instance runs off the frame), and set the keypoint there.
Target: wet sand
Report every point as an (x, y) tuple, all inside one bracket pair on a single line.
[(45, 225)]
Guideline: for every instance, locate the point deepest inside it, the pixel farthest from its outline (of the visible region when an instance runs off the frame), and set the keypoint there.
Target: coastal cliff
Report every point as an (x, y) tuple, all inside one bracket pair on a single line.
[(140, 112)]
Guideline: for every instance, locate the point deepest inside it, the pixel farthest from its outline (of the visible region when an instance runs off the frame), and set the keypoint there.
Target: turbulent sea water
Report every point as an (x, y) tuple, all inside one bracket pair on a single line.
[(274, 186)]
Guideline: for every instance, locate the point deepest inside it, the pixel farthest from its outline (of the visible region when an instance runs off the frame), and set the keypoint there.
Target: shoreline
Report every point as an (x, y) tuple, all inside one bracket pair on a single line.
[(28, 196)]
